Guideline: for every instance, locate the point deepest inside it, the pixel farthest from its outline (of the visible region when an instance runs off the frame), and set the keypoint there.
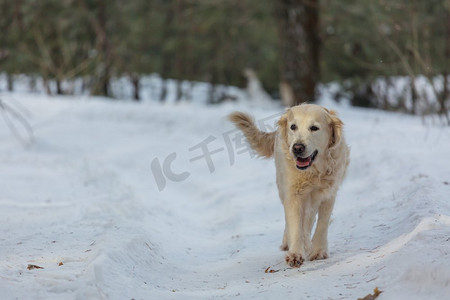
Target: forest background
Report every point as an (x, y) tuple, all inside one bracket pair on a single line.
[(292, 45)]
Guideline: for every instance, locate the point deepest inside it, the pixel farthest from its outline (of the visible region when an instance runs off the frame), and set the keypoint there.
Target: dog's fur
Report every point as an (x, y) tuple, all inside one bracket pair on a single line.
[(307, 185)]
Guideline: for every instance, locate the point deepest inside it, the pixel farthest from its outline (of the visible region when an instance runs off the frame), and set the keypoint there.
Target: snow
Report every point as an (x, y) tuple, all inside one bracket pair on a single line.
[(150, 88), (85, 194)]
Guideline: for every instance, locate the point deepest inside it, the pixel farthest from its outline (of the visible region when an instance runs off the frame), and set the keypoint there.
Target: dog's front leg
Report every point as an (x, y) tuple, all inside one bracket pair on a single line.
[(320, 238), (294, 231), (308, 217)]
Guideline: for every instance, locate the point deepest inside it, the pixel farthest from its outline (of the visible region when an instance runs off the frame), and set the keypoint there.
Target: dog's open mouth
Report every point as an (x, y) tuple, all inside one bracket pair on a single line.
[(303, 163)]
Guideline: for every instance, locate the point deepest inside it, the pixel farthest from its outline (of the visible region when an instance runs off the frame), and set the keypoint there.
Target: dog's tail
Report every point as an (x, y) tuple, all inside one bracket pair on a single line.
[(262, 142)]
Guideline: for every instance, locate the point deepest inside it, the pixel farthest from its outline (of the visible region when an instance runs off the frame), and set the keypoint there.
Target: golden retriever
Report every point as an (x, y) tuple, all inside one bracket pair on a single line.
[(311, 158)]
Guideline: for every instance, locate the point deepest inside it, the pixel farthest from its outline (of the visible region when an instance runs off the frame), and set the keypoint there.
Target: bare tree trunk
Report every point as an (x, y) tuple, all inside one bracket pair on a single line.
[(105, 49), (180, 52), (414, 95), (300, 47), (85, 83), (179, 90), (445, 92), (46, 85), (98, 23), (212, 93), (136, 87), (163, 94), (166, 57), (10, 82), (32, 83), (18, 16), (385, 105), (444, 98), (59, 90)]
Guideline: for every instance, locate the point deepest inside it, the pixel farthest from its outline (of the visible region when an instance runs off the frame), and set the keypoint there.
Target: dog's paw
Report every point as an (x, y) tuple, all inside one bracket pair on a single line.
[(317, 254), (294, 260), (284, 247)]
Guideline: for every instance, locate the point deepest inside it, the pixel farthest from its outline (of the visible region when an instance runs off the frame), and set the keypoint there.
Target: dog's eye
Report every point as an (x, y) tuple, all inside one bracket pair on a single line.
[(293, 127), (314, 128)]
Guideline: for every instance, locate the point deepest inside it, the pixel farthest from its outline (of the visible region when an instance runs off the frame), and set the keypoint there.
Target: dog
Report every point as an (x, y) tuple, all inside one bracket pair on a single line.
[(311, 159)]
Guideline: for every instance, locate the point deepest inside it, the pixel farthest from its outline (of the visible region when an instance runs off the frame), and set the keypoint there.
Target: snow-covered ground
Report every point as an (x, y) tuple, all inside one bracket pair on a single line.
[(118, 200)]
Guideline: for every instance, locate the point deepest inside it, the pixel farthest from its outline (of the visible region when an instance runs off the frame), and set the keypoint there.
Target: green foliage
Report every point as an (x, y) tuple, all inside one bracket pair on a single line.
[(214, 40), (364, 39)]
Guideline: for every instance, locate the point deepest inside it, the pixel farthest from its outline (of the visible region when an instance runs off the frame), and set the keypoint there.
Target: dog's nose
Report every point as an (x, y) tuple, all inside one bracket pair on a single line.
[(298, 149)]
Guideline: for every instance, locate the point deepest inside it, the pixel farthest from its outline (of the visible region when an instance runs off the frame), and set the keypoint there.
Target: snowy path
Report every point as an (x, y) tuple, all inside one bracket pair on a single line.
[(84, 195)]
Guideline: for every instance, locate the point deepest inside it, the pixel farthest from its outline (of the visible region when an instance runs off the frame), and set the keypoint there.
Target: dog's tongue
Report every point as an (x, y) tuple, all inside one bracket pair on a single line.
[(303, 162)]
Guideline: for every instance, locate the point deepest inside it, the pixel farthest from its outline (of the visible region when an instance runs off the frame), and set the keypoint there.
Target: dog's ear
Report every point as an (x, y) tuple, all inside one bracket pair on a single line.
[(336, 128), (282, 124)]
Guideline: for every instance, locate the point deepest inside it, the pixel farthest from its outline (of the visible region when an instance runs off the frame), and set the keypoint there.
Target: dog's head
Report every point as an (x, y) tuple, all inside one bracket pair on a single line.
[(309, 132)]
